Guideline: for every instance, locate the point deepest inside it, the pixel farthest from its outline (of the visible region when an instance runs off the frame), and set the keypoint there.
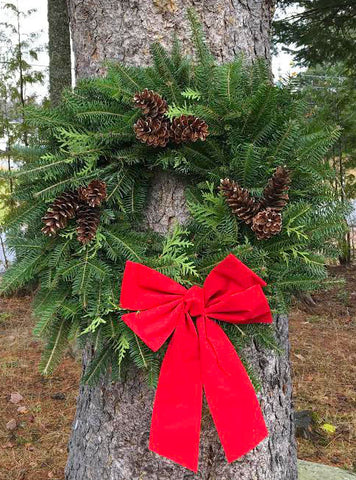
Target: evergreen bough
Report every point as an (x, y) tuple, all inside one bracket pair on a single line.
[(254, 127)]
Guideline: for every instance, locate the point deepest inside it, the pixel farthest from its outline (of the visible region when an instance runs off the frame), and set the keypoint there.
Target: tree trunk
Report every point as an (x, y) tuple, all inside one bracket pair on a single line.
[(60, 69), (110, 432)]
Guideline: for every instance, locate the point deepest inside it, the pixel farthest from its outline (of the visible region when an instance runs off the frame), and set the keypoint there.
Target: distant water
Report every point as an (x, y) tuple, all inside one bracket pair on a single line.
[(352, 216), (9, 256)]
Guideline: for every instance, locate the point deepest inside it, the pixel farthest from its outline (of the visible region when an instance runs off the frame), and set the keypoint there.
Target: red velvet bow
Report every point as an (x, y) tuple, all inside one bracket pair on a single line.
[(198, 356)]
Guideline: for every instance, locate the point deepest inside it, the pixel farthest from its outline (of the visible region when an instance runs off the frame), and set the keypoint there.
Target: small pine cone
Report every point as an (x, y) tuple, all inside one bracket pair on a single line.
[(239, 200), (152, 131), (275, 194), (188, 128), (266, 224), (88, 219), (151, 103), (94, 194), (62, 209)]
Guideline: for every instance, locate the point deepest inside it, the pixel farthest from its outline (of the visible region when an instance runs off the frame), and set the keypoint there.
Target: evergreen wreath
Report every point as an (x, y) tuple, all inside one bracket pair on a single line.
[(254, 127)]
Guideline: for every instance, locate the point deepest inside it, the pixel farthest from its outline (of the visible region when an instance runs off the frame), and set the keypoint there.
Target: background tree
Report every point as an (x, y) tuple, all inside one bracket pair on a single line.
[(320, 31), (4, 195), (60, 69), (18, 78), (321, 35), (17, 73), (331, 95), (332, 98)]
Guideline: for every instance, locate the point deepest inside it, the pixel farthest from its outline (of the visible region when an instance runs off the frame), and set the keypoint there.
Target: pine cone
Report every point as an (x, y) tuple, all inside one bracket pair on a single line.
[(152, 131), (88, 219), (240, 201), (188, 128), (94, 194), (266, 224), (151, 103), (275, 194), (62, 209)]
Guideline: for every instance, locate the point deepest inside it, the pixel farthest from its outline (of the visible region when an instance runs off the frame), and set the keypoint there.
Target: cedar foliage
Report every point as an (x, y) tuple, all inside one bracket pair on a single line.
[(253, 128)]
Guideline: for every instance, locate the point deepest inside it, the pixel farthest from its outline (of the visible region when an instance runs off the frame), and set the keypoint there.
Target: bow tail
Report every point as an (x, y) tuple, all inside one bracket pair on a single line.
[(176, 417), (229, 392)]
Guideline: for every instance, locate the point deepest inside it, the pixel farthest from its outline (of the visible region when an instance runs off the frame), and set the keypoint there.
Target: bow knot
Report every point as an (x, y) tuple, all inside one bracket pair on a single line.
[(198, 356), (194, 301)]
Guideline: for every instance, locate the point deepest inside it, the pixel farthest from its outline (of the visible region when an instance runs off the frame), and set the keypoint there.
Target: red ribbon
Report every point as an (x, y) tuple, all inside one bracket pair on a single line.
[(198, 356)]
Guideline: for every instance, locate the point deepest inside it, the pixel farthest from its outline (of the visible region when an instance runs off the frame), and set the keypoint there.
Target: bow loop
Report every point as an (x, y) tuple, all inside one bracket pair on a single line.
[(233, 293), (229, 277), (144, 288)]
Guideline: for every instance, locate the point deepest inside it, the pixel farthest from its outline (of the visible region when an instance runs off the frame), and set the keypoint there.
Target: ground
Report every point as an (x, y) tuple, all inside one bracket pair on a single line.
[(323, 357), (34, 429)]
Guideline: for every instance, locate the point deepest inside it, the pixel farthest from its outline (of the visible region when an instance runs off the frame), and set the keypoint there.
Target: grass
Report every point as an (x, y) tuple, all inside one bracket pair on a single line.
[(323, 355)]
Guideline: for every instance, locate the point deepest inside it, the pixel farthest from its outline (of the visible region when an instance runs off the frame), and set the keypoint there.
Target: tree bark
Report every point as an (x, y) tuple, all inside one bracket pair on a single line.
[(123, 30), (60, 68), (110, 432)]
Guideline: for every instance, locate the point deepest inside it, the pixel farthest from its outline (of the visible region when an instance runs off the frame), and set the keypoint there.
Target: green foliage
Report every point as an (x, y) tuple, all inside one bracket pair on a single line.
[(17, 53), (178, 110), (17, 79), (332, 98), (191, 94), (253, 127), (320, 31)]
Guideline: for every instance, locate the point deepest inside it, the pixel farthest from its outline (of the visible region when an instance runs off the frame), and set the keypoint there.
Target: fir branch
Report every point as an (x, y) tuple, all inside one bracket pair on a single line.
[(55, 346)]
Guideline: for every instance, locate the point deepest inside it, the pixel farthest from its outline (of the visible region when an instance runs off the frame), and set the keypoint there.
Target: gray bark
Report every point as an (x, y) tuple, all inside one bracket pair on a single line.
[(123, 30), (60, 69), (166, 203), (110, 432)]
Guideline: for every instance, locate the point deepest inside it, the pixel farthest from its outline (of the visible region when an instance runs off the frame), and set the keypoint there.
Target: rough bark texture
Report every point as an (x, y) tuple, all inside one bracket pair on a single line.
[(123, 29), (60, 70), (166, 203), (110, 432)]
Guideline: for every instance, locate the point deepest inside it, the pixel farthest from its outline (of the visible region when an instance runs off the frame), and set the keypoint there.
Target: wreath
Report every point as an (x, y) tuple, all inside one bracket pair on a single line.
[(258, 188)]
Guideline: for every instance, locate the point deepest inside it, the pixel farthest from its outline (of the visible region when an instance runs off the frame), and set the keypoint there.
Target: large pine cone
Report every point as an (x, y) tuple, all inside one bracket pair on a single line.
[(267, 223), (239, 200), (94, 194), (188, 128), (62, 209), (152, 131), (151, 103), (275, 194), (88, 219)]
